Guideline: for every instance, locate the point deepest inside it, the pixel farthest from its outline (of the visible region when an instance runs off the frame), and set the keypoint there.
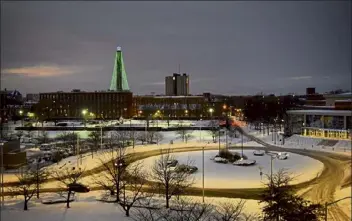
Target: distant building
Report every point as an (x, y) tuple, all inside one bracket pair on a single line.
[(325, 116), (177, 85), (328, 124), (339, 99), (32, 97), (310, 90), (170, 107), (99, 105)]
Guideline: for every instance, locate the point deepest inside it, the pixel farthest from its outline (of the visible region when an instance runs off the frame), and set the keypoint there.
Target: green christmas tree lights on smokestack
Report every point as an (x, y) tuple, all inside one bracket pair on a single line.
[(119, 77)]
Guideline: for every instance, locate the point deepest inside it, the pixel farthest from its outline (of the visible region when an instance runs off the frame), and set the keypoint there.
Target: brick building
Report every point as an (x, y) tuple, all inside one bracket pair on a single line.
[(69, 105)]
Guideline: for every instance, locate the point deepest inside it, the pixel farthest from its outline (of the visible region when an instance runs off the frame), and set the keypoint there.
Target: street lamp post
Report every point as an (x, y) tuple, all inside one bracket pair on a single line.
[(219, 139), (84, 113), (211, 110), (203, 168), (328, 204), (242, 143), (21, 114), (2, 176), (200, 131)]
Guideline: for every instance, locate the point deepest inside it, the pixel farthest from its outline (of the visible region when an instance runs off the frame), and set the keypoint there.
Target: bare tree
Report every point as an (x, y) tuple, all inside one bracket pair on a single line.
[(114, 170), (68, 176), (29, 135), (153, 135), (68, 138), (40, 174), (142, 136), (134, 180), (123, 137), (214, 129), (187, 210), (184, 134), (182, 210), (94, 139), (111, 142), (171, 182), (19, 134), (229, 211), (43, 137), (26, 186)]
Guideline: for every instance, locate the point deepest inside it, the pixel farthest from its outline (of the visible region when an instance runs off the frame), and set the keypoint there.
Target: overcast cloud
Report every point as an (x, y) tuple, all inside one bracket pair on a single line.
[(226, 47)]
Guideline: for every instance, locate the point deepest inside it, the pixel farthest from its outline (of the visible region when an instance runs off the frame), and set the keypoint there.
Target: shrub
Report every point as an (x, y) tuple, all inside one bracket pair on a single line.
[(231, 156)]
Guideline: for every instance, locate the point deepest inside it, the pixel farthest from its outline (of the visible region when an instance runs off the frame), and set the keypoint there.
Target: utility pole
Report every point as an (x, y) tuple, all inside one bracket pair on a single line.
[(37, 177), (219, 139), (101, 137), (203, 173), (226, 137), (242, 143), (2, 175), (328, 204), (78, 152), (203, 169)]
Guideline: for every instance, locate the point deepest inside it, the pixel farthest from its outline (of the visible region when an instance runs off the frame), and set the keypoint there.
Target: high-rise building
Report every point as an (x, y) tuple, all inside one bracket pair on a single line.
[(119, 77), (177, 85)]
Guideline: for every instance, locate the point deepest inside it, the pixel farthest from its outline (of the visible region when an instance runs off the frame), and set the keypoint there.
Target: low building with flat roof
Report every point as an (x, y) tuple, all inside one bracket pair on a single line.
[(327, 124)]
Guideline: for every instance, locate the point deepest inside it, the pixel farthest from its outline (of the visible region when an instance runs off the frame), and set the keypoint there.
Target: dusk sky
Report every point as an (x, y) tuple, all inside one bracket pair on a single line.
[(225, 47)]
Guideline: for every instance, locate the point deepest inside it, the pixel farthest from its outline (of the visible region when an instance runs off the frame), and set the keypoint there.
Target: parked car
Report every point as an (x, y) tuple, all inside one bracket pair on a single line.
[(45, 147), (172, 163), (258, 153), (61, 124), (78, 187)]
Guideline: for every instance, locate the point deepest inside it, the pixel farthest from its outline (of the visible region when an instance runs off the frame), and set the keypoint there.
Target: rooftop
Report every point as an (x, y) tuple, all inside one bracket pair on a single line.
[(322, 112)]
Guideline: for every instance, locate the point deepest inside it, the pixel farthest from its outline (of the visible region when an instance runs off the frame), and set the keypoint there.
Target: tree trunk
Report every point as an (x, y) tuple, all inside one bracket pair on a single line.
[(127, 210), (37, 180), (68, 199), (25, 204), (118, 191), (167, 196)]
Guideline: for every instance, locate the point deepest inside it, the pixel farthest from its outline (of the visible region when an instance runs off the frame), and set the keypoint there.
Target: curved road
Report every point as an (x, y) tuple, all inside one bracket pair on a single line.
[(325, 186)]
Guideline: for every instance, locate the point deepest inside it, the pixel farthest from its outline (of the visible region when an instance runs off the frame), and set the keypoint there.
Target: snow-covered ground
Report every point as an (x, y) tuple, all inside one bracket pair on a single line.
[(302, 142), (87, 208), (345, 205), (229, 176)]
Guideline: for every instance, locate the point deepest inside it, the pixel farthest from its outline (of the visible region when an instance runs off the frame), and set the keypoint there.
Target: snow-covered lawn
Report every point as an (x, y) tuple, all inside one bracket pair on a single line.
[(87, 208)]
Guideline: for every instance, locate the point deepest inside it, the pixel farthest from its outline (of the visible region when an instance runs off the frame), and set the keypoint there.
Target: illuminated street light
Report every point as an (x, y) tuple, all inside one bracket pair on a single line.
[(30, 114), (211, 110), (224, 107), (21, 113), (84, 111)]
